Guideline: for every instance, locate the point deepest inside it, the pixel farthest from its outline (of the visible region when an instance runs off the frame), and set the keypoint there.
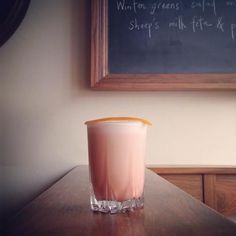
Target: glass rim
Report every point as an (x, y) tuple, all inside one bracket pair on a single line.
[(118, 119)]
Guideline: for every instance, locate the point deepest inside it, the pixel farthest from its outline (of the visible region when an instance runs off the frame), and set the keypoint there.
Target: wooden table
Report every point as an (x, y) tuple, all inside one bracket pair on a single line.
[(64, 210)]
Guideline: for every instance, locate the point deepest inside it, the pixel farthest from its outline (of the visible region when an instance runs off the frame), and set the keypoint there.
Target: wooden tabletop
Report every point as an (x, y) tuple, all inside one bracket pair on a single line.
[(64, 210)]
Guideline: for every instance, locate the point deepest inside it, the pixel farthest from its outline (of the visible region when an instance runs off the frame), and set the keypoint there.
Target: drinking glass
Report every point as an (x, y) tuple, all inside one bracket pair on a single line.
[(116, 147)]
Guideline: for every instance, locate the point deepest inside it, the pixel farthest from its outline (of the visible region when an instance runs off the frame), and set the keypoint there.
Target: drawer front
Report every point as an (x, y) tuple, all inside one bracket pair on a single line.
[(220, 193), (191, 184)]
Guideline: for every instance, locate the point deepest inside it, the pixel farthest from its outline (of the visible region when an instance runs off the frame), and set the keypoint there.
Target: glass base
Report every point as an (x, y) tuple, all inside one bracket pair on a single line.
[(115, 206)]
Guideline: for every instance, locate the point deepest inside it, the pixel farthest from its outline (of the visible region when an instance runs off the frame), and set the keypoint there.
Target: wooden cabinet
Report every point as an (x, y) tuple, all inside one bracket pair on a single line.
[(215, 186)]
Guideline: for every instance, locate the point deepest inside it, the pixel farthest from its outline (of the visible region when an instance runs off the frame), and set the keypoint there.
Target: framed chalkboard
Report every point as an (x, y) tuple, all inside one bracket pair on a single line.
[(163, 45)]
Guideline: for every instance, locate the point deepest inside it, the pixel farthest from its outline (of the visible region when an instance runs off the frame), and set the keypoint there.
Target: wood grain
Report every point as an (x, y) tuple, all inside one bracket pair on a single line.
[(101, 79), (64, 210), (220, 193), (209, 190), (191, 184)]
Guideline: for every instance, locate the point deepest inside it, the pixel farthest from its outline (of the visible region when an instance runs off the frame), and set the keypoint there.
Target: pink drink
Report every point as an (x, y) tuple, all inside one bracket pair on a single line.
[(116, 160)]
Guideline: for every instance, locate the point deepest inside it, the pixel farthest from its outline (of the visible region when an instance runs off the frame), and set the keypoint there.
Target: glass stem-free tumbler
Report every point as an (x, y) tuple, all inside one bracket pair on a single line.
[(116, 147)]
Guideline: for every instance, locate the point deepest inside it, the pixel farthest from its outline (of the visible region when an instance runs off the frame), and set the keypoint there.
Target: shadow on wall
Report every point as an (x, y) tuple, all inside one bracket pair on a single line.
[(80, 45), (31, 161)]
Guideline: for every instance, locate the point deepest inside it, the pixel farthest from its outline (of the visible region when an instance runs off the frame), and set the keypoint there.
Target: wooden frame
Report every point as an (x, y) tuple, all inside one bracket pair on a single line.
[(101, 78)]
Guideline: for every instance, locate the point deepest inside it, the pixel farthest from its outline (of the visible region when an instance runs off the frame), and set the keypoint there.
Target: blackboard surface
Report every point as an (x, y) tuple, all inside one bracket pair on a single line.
[(171, 36)]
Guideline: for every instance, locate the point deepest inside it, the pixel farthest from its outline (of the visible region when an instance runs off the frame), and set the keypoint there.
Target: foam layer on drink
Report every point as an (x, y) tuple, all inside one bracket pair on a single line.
[(116, 159)]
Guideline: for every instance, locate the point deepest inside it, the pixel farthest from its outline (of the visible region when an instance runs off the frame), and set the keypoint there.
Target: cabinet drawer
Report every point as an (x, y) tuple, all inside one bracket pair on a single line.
[(220, 193)]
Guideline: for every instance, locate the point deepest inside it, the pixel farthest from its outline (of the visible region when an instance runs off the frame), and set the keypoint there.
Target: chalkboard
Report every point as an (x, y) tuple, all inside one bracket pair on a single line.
[(173, 36), (173, 44)]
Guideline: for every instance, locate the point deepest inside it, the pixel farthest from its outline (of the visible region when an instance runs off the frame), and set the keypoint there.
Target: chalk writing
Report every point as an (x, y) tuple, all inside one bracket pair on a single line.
[(147, 16), (204, 5), (124, 5), (178, 23), (199, 23), (164, 6), (220, 24), (135, 25), (231, 3)]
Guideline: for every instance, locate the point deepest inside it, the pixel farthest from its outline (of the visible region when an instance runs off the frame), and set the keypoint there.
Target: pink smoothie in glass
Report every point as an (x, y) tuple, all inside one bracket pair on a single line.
[(116, 158)]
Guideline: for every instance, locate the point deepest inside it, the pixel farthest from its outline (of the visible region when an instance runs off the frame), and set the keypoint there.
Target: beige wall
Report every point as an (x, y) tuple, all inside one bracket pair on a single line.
[(46, 99)]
